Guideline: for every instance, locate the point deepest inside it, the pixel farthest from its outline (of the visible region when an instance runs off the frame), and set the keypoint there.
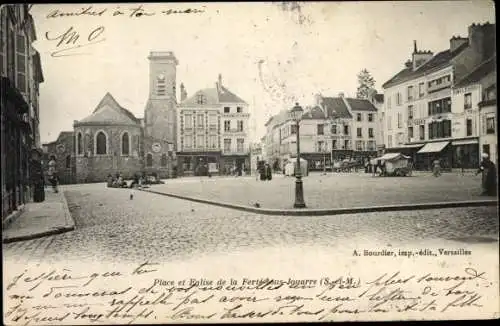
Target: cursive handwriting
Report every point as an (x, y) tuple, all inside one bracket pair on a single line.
[(70, 40), (141, 295), (131, 12)]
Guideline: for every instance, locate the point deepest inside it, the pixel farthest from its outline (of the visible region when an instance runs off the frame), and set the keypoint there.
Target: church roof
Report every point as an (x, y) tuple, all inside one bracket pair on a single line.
[(109, 112), (213, 96)]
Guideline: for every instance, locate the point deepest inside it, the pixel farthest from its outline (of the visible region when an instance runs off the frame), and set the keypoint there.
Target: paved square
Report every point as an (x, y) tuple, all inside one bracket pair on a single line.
[(340, 190)]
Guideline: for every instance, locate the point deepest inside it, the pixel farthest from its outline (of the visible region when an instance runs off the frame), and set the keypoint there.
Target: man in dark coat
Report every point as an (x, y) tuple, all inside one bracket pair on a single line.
[(268, 172), (489, 176)]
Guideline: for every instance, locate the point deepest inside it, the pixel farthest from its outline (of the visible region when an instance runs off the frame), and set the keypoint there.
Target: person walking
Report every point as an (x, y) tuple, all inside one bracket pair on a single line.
[(436, 167), (37, 178), (489, 176), (52, 173)]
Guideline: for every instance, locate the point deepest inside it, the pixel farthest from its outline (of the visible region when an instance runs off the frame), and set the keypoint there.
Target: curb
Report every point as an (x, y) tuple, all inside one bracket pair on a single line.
[(336, 211), (69, 226)]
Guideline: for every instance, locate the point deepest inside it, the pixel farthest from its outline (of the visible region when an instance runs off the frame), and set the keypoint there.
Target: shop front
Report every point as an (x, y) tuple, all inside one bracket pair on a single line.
[(16, 149), (465, 153), (317, 161), (432, 151), (198, 163), (342, 154), (235, 164)]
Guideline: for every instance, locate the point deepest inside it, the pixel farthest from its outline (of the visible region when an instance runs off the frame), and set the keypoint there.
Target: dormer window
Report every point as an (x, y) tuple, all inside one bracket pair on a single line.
[(201, 99)]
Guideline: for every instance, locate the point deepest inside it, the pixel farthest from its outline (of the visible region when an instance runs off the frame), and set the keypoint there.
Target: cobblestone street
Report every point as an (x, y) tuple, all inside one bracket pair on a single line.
[(338, 190), (111, 227)]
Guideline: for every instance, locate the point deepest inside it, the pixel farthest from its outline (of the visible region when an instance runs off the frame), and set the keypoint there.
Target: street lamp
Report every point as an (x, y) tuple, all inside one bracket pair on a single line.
[(296, 114)]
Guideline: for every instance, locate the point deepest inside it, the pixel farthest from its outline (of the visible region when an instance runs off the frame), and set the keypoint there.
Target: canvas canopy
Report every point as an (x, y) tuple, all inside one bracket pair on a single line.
[(389, 157), (433, 147)]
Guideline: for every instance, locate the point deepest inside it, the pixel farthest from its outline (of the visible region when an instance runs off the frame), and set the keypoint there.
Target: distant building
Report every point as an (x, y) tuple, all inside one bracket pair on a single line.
[(430, 112), (335, 128), (63, 149), (213, 132), (21, 75)]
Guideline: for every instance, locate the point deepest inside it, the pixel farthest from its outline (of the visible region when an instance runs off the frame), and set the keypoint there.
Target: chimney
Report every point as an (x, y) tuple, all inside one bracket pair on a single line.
[(318, 99), (341, 94), (419, 57), (456, 42), (482, 40), (183, 92)]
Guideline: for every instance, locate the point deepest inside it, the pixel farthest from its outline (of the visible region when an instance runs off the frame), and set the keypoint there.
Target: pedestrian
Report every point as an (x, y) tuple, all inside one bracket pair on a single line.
[(436, 167), (489, 176), (109, 181), (37, 178), (52, 173), (269, 172)]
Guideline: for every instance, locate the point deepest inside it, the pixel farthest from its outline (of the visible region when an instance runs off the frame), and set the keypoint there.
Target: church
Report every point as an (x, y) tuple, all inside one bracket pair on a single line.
[(112, 140)]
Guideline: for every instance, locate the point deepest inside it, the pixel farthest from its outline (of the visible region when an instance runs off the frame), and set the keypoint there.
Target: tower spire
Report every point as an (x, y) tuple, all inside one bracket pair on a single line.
[(415, 46)]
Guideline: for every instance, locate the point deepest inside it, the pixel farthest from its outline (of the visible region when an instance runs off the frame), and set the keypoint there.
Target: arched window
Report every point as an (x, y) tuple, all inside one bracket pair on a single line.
[(101, 143), (68, 161), (79, 143), (164, 160), (149, 160), (125, 144)]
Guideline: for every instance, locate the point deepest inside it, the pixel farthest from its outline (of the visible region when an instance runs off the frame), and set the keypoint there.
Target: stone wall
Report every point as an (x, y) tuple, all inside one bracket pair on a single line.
[(91, 167)]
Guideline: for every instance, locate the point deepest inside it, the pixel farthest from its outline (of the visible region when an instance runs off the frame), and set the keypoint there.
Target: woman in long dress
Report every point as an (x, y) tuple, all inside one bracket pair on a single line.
[(489, 176)]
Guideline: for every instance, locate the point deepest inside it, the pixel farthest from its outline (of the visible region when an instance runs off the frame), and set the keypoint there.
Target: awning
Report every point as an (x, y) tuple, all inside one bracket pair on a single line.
[(433, 147), (465, 141)]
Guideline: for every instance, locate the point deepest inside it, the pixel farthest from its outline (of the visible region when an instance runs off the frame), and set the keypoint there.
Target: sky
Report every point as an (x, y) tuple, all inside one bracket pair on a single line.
[(268, 54)]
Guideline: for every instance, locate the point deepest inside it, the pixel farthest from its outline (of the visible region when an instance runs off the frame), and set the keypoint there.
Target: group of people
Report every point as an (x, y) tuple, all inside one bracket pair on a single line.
[(116, 181), (265, 172), (139, 180)]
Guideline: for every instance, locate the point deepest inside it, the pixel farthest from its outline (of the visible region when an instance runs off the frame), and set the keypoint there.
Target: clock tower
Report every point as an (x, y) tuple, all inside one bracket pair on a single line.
[(160, 113)]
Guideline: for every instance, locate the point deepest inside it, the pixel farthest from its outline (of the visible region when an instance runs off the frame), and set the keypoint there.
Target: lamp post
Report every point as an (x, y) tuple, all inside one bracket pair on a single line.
[(296, 114)]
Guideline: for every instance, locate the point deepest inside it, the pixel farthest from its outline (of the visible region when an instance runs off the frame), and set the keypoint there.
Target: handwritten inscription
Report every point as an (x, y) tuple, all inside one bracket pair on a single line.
[(132, 12), (70, 40), (142, 295)]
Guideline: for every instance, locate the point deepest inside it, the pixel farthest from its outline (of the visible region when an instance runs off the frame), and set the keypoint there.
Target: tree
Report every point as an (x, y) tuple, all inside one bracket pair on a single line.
[(366, 83)]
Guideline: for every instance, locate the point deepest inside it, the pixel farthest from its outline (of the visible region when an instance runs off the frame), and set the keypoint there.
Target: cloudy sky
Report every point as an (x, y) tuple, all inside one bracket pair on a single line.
[(268, 54)]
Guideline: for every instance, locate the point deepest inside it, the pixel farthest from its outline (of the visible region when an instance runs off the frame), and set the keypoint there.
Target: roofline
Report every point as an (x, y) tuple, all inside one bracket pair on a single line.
[(105, 123), (487, 61), (423, 74)]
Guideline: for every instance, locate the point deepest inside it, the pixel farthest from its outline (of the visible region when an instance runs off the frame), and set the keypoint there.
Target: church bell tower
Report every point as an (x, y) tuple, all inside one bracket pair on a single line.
[(161, 111)]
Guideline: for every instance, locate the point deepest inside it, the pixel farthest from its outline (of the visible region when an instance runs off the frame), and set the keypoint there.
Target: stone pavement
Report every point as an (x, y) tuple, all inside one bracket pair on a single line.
[(49, 217), (337, 191), (114, 229)]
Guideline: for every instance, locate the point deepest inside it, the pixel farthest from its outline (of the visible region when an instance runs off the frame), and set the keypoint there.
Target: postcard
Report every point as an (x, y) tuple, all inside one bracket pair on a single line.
[(249, 162)]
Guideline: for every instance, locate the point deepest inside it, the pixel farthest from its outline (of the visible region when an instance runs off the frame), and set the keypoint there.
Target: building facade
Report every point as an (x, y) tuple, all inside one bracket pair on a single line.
[(112, 140), (213, 132), (108, 141), (64, 149), (21, 75), (429, 113), (335, 128)]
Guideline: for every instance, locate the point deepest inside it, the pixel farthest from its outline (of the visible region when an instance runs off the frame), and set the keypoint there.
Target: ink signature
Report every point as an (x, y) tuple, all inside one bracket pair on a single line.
[(71, 40)]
